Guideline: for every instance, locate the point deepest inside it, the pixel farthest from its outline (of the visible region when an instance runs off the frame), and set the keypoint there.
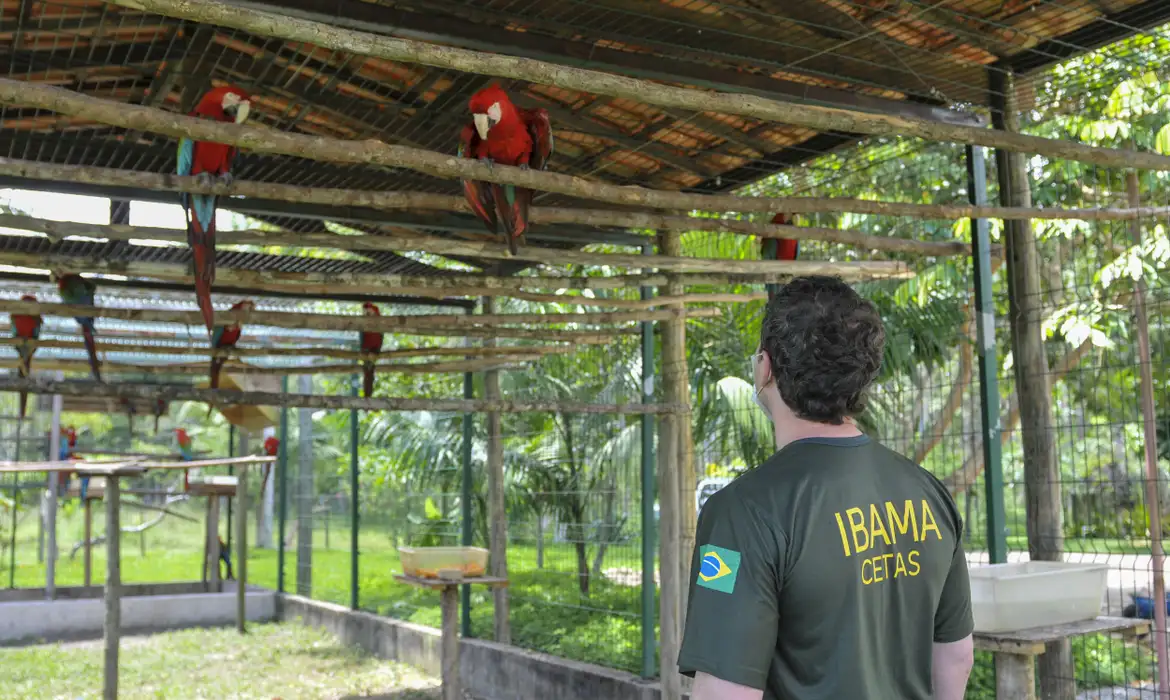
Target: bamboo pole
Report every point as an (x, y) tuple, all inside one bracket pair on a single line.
[(496, 503), (171, 392), (392, 201), (450, 323), (272, 24), (423, 200), (56, 230), (201, 370), (334, 353), (309, 283)]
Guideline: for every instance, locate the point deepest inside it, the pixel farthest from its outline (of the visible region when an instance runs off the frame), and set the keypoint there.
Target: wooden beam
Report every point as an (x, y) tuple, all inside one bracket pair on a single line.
[(220, 397), (270, 24), (435, 245), (201, 370), (451, 284), (394, 201), (335, 353), (337, 322)]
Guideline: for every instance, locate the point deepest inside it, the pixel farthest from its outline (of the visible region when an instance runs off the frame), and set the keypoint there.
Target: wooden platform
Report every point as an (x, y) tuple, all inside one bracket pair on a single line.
[(214, 486), (96, 490), (1016, 652), (439, 583), (1032, 641)]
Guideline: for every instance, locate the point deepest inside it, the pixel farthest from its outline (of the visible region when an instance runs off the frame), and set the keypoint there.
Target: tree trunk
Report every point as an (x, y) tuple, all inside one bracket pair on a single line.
[(1041, 471), (497, 508), (582, 562)]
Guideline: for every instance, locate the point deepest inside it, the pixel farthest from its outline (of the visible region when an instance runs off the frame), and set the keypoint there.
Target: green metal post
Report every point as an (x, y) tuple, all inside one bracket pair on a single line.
[(15, 503), (282, 471), (465, 497), (988, 361), (231, 472), (649, 485), (353, 500)]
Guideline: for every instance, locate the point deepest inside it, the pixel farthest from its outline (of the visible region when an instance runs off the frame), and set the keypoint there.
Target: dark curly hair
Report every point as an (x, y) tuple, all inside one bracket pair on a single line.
[(825, 343)]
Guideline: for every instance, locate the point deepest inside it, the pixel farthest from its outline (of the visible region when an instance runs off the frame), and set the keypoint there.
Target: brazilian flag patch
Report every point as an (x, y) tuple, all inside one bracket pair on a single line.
[(718, 568)]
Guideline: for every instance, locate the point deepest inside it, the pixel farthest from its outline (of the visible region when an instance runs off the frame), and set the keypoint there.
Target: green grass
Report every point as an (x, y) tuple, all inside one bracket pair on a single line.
[(287, 661), (548, 613)]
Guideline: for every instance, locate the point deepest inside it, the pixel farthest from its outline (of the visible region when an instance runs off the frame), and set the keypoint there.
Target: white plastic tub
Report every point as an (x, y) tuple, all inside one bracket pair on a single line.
[(1011, 597)]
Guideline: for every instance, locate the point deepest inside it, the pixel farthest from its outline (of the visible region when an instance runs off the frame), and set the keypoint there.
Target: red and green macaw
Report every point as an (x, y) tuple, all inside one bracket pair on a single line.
[(778, 249), (500, 132), (28, 330), (225, 337), (79, 291), (207, 160), (271, 448), (371, 344), (185, 454)]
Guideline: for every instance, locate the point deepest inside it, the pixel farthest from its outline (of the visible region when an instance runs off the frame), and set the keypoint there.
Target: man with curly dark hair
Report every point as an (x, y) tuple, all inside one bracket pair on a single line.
[(835, 569)]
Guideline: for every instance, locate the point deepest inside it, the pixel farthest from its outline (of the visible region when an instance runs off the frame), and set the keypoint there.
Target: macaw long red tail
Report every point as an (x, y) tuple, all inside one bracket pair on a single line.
[(91, 350), (203, 258), (368, 379), (216, 365)]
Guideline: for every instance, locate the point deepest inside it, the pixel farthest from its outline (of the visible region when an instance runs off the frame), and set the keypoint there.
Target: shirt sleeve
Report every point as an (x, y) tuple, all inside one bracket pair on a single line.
[(953, 620), (733, 611)]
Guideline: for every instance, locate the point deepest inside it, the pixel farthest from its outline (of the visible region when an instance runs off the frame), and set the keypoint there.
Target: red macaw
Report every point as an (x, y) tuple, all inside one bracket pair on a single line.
[(778, 249), (225, 337), (28, 329), (185, 454), (205, 160), (372, 344), (500, 132)]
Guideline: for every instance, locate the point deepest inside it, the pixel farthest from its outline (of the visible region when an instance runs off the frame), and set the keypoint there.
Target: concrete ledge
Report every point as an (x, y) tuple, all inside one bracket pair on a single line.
[(128, 589), (58, 620), (489, 670)]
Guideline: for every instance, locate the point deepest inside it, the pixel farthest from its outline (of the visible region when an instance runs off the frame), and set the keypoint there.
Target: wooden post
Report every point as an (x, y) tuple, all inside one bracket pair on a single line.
[(497, 509), (449, 658), (88, 505), (113, 601), (1015, 676), (1149, 421), (669, 513), (51, 503), (242, 550), (1026, 321)]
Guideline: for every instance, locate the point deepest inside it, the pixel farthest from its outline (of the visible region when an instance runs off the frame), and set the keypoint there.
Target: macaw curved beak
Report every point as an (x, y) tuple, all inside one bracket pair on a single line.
[(481, 125), (242, 111)]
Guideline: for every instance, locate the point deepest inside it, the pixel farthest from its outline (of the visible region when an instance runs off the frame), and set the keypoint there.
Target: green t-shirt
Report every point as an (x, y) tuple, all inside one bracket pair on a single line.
[(827, 572)]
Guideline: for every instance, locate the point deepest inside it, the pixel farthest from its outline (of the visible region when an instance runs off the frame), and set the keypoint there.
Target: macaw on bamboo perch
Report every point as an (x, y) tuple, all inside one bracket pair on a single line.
[(205, 160), (778, 249), (371, 344), (28, 329), (224, 337), (79, 291), (500, 132)]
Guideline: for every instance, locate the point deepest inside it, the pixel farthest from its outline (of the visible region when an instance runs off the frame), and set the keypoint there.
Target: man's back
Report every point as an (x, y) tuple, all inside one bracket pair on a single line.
[(829, 567)]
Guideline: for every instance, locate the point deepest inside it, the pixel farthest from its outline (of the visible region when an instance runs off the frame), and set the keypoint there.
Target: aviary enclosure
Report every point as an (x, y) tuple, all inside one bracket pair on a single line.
[(992, 174)]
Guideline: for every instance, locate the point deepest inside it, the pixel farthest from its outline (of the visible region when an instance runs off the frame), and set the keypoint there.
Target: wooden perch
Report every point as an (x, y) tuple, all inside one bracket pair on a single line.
[(459, 248), (540, 215), (310, 283), (386, 324), (599, 217), (201, 370), (225, 397), (335, 353), (272, 24), (373, 152)]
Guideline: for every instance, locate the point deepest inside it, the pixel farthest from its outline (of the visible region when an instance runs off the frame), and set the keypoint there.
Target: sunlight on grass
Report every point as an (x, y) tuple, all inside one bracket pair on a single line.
[(272, 661)]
